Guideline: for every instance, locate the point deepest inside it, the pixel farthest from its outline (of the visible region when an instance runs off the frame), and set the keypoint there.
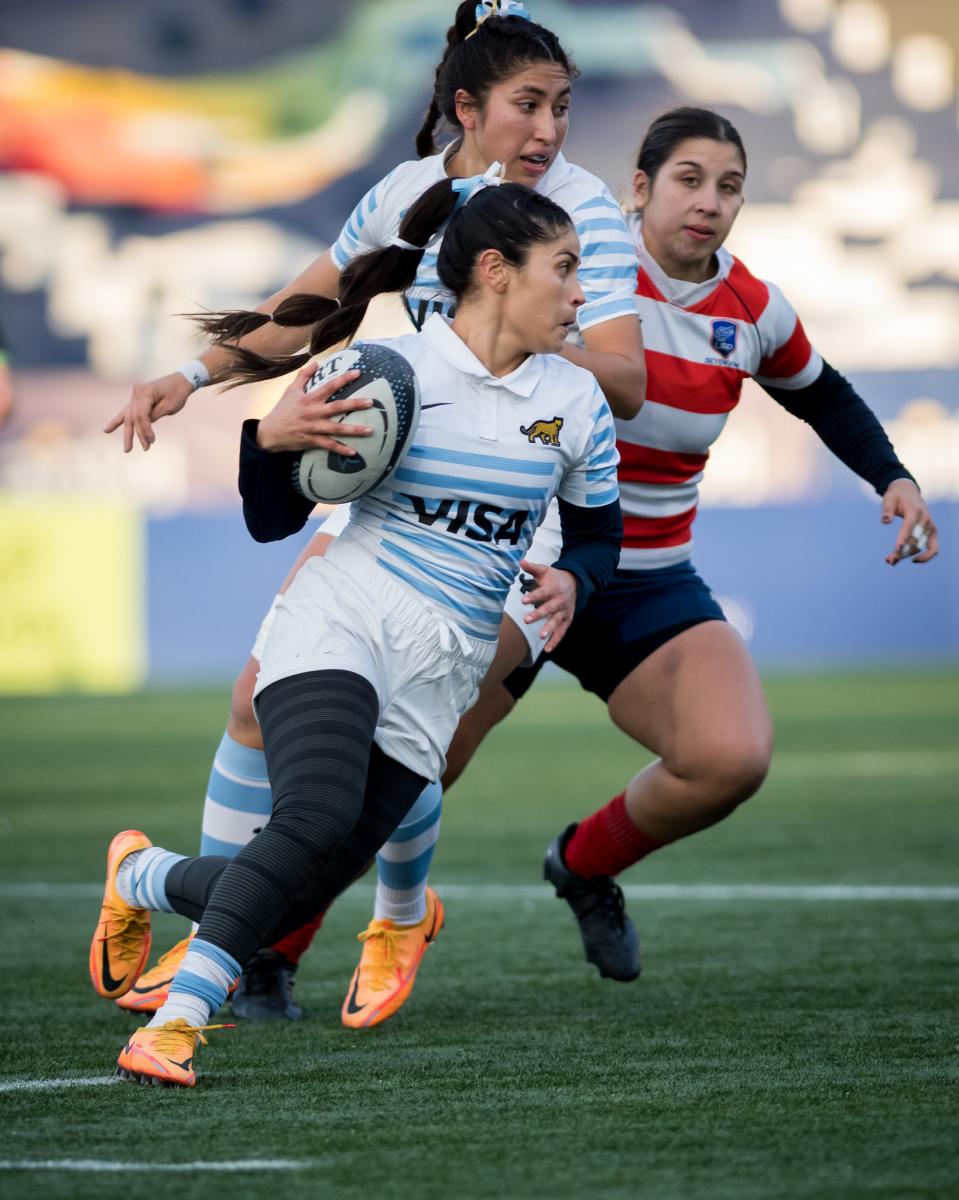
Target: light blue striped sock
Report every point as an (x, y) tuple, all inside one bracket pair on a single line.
[(142, 875), (403, 864), (200, 985), (238, 798)]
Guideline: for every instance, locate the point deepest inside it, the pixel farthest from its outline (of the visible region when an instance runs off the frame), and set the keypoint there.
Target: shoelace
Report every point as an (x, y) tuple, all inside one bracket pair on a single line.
[(167, 1036), (385, 940), (610, 900), (127, 940)]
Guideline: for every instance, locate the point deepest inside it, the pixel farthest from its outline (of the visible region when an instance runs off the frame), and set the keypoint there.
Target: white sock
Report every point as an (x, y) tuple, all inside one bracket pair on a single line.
[(141, 877), (200, 985), (192, 1009), (125, 877)]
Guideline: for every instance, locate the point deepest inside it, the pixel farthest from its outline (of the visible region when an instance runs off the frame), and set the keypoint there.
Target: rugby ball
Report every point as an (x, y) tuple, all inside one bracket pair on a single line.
[(389, 381)]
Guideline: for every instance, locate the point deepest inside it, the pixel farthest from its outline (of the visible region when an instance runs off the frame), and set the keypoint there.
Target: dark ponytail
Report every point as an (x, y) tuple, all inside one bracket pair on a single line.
[(508, 218), (500, 47), (678, 125)]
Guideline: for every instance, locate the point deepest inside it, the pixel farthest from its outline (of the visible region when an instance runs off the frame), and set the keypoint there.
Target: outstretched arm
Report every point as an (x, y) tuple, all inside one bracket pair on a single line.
[(165, 396), (848, 426)]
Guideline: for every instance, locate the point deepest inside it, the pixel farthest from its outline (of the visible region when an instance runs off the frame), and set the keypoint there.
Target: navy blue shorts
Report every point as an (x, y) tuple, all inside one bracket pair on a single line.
[(622, 625)]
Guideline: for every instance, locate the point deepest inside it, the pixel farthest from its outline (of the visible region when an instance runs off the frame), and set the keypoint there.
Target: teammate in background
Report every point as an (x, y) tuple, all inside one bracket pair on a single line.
[(6, 383), (379, 646), (655, 644), (503, 84)]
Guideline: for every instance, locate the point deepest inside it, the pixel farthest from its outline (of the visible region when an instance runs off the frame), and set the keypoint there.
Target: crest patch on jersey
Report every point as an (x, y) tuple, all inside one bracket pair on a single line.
[(544, 432), (723, 340)]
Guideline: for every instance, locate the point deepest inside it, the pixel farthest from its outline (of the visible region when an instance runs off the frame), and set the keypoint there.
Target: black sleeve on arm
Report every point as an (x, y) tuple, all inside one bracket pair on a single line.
[(272, 508), (846, 424), (591, 542)]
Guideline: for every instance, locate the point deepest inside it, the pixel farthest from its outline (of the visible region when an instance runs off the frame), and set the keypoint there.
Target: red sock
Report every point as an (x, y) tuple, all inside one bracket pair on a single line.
[(296, 944), (607, 842)]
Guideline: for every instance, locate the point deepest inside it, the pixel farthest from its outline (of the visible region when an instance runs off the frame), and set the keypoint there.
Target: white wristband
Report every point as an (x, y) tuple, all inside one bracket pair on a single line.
[(195, 372)]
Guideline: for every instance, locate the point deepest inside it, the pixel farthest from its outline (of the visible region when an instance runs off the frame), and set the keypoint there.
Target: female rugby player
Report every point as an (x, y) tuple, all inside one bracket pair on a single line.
[(379, 646), (655, 645), (503, 84)]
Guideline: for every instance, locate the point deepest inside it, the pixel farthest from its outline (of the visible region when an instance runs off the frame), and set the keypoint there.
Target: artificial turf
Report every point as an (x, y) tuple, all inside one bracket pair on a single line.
[(774, 1047)]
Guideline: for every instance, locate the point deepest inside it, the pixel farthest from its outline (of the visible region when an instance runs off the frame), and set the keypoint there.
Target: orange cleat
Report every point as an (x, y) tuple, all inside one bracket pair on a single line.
[(163, 1056), (387, 968), (121, 941), (150, 991)]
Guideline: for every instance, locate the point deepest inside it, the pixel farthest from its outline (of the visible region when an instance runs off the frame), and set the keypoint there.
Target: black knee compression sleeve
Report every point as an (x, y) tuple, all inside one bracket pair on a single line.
[(391, 791), (317, 734)]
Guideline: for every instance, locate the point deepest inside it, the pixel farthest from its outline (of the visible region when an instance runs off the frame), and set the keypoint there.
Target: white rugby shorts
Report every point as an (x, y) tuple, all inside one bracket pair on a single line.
[(334, 525), (545, 548), (344, 612)]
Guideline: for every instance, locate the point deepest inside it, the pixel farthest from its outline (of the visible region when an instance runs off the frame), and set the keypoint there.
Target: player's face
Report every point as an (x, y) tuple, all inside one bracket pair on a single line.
[(689, 207), (523, 122), (542, 296)]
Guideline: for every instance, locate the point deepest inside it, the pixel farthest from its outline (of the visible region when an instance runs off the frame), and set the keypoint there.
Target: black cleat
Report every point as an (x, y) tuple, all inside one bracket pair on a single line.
[(265, 989), (609, 936)]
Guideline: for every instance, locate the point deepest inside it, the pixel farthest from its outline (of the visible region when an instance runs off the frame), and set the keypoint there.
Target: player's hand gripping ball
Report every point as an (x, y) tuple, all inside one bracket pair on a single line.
[(389, 381)]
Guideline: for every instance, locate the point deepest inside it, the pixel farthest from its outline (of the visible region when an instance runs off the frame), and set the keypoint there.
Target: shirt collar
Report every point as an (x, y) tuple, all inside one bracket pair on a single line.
[(680, 292), (552, 179), (554, 176), (438, 331)]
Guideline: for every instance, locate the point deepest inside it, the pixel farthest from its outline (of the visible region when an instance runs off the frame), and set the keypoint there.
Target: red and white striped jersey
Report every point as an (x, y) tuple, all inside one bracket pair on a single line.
[(702, 340)]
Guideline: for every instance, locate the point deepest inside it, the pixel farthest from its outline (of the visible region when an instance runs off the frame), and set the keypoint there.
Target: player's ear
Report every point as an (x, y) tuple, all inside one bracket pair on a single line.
[(641, 188), (492, 269), (466, 108)]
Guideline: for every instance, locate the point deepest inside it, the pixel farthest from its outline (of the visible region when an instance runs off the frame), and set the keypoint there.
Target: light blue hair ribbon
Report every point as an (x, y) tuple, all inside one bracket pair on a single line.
[(499, 8), (467, 188)]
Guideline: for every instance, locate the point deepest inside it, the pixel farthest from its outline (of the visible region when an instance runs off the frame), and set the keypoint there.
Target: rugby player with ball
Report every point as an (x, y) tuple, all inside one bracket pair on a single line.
[(379, 646)]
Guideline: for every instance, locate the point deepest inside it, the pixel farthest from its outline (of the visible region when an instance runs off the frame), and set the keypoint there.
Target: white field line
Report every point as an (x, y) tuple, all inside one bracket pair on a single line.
[(863, 764), (94, 1164), (633, 891), (37, 1085)]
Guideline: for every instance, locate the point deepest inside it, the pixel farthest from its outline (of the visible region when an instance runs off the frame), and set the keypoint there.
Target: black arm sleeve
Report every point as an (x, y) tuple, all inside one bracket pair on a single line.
[(272, 508), (846, 424), (592, 538)]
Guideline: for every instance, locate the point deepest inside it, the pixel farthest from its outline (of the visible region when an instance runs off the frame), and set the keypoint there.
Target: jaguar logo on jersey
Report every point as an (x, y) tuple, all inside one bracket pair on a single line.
[(723, 340), (546, 432)]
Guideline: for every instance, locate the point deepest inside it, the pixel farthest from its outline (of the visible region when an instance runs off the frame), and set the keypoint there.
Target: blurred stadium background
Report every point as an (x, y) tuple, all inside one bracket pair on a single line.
[(163, 156)]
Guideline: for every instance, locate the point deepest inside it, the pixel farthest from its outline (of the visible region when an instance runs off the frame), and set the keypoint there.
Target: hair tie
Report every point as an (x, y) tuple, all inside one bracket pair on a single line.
[(498, 8), (402, 245), (466, 189)]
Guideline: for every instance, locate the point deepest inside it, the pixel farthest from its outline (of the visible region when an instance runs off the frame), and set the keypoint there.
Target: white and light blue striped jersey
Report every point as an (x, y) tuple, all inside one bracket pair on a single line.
[(608, 262), (459, 512)]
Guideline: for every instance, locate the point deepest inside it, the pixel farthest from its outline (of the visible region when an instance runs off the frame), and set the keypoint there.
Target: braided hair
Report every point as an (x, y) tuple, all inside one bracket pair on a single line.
[(509, 218)]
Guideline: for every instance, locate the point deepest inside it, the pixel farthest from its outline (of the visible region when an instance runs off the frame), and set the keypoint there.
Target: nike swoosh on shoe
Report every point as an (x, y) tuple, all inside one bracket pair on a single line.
[(351, 1006), (151, 987), (108, 981)]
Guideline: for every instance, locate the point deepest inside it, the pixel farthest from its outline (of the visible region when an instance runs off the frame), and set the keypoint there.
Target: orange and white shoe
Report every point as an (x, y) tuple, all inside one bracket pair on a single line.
[(163, 1055), (150, 991), (387, 968), (121, 940)]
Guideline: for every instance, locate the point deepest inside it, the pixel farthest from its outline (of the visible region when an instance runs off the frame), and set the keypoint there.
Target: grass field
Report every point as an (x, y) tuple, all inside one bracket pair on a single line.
[(786, 1041)]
